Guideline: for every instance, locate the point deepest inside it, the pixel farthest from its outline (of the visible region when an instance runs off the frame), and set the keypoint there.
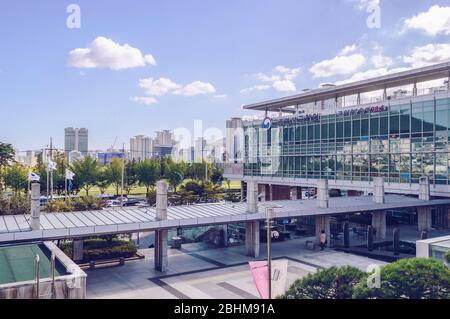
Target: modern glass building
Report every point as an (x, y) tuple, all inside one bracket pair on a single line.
[(401, 136), (400, 142)]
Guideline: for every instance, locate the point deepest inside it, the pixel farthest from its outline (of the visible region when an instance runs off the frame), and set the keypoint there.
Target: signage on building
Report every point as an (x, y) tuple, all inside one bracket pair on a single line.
[(267, 123), (363, 110)]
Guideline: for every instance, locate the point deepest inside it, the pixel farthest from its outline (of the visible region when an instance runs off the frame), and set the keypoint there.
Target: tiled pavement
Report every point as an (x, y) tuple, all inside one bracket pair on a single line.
[(196, 272)]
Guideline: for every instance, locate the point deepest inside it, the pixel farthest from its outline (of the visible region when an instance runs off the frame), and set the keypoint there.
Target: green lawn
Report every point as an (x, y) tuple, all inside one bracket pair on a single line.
[(140, 190)]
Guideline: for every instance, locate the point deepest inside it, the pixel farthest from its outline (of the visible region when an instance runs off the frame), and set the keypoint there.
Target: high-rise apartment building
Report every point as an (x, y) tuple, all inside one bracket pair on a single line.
[(141, 148), (76, 139)]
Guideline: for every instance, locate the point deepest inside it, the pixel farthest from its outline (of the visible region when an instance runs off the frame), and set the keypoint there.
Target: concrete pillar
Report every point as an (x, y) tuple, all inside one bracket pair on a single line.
[(225, 235), (322, 193), (242, 190), (323, 223), (35, 206), (424, 188), (77, 250), (358, 99), (378, 190), (294, 195), (252, 227), (414, 89), (252, 238), (270, 195), (385, 94), (160, 250), (379, 223), (424, 218)]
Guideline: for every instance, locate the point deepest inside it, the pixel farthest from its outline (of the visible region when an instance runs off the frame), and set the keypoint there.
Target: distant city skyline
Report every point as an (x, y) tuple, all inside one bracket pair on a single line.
[(148, 73)]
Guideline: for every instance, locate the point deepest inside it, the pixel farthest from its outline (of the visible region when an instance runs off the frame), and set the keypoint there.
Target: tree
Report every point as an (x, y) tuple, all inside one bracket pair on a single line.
[(330, 283), (102, 180), (148, 173), (6, 158), (130, 178), (410, 278), (86, 173), (6, 154), (217, 175), (175, 174), (16, 177), (113, 173), (59, 176)]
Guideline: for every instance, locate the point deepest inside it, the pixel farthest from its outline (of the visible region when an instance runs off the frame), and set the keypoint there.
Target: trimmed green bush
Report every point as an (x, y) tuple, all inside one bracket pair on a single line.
[(14, 205), (447, 257), (331, 283), (103, 248), (75, 204), (411, 278)]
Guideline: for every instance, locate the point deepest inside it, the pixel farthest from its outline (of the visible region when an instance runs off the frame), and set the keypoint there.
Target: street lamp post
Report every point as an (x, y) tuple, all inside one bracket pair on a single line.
[(269, 227)]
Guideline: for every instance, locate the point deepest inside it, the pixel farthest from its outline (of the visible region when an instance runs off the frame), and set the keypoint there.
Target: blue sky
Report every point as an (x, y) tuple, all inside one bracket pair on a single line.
[(212, 57)]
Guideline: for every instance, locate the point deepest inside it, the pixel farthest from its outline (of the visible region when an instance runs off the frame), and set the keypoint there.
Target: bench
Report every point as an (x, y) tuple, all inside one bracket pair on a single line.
[(106, 263)]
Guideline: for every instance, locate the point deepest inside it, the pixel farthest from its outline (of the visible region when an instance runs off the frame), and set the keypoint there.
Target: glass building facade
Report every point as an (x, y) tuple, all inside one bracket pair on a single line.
[(400, 142)]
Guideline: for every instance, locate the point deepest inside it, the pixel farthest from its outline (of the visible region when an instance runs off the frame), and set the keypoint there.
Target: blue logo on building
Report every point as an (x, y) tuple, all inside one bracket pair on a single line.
[(267, 123)]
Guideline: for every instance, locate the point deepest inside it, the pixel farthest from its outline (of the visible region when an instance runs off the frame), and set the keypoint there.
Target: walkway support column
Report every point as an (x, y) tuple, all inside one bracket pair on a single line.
[(161, 261), (379, 217), (378, 190), (35, 206), (294, 193), (424, 218), (322, 193), (323, 223), (252, 227), (424, 213), (379, 224), (77, 249)]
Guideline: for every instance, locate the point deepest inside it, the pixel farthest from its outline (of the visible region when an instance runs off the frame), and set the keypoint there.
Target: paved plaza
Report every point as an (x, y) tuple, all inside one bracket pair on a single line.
[(197, 272)]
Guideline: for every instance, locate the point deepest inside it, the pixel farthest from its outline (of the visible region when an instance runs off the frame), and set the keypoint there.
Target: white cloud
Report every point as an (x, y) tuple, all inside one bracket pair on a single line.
[(284, 86), (287, 73), (371, 73), (340, 65), (157, 87), (267, 78), (281, 80), (380, 61), (433, 22), (260, 87), (348, 49), (146, 100), (428, 55), (105, 53), (195, 88)]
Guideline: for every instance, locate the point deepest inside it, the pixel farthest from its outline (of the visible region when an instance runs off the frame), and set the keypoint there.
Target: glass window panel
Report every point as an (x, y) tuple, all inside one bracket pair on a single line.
[(428, 121), (356, 128), (394, 125), (374, 127), (383, 126), (365, 127)]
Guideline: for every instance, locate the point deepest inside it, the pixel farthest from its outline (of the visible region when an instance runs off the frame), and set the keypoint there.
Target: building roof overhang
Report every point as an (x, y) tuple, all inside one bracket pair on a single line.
[(424, 74)]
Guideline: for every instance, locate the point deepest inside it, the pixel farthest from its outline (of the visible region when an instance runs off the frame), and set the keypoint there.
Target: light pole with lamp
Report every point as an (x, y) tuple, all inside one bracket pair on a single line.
[(269, 226)]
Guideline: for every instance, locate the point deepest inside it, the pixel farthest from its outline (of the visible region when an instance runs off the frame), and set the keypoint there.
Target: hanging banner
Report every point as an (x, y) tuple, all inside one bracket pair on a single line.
[(260, 277)]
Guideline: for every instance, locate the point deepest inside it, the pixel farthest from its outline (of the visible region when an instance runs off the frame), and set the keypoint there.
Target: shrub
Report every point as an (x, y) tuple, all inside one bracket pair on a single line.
[(75, 204), (447, 257), (59, 205), (14, 205), (102, 248), (331, 283), (412, 278)]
